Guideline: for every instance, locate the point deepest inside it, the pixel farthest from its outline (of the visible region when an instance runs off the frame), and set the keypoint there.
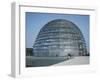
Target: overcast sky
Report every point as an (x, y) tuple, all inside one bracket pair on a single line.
[(35, 21)]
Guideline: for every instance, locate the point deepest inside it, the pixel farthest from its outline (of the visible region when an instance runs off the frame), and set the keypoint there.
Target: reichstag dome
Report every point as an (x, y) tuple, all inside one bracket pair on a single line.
[(58, 38)]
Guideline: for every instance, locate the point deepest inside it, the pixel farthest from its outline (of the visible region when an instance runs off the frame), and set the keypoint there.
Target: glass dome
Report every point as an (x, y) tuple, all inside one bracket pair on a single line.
[(59, 38)]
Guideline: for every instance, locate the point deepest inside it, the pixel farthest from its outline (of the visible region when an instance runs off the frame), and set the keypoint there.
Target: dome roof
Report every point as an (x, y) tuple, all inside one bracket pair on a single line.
[(61, 23), (59, 37)]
